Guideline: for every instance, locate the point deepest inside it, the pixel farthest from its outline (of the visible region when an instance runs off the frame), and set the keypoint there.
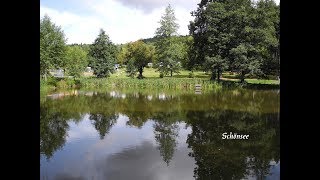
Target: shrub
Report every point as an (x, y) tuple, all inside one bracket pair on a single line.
[(191, 75), (62, 84)]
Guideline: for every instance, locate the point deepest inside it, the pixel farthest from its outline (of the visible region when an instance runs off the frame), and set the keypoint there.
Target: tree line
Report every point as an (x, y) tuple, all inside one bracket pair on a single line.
[(239, 36)]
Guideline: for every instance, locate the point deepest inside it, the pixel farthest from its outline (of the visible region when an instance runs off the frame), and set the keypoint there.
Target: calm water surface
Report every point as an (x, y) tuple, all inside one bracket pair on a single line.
[(158, 135)]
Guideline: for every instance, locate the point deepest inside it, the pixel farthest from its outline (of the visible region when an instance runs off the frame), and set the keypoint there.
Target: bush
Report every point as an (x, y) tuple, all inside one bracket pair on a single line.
[(62, 84), (191, 75), (52, 81), (70, 83), (161, 75)]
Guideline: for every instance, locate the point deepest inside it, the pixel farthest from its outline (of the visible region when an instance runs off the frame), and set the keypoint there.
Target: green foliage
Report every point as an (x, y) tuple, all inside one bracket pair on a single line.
[(52, 81), (140, 54), (243, 62), (52, 46), (211, 44), (122, 53), (76, 61), (62, 84), (170, 53), (216, 64), (131, 69), (236, 32), (267, 24), (168, 24), (103, 55), (160, 83), (191, 74)]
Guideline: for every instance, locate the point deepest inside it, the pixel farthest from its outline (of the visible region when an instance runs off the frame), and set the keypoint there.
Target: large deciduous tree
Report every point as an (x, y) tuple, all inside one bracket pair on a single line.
[(139, 55), (266, 22), (102, 55), (236, 35), (245, 60), (212, 37), (52, 46)]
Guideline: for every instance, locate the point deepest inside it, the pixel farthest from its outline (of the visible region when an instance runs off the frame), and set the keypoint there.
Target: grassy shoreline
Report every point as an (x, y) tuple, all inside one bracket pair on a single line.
[(152, 81)]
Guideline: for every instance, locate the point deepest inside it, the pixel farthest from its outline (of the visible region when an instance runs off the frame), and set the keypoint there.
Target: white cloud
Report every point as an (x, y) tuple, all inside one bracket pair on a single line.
[(77, 28), (123, 23)]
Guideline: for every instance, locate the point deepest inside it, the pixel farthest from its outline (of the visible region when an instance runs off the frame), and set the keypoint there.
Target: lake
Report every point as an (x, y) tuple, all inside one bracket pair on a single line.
[(121, 134)]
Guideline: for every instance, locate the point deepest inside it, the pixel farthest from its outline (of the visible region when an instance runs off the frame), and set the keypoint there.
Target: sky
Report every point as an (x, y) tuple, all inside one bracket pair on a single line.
[(123, 20)]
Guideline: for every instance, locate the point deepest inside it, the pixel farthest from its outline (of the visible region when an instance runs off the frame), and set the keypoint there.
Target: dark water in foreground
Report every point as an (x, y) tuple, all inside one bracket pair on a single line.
[(117, 135)]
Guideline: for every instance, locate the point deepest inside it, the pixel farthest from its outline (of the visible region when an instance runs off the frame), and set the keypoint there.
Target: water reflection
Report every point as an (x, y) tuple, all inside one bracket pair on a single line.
[(53, 131), (102, 123), (166, 131), (233, 159), (143, 136)]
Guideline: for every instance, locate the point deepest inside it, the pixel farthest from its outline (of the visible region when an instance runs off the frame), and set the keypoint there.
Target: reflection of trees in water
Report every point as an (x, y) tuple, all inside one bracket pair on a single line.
[(137, 118), (103, 123), (136, 108), (166, 132), (53, 131), (237, 100), (215, 158), (232, 159)]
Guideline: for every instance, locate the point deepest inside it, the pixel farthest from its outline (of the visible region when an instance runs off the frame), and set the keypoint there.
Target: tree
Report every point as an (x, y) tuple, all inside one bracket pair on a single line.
[(245, 60), (52, 46), (121, 55), (131, 69), (187, 42), (211, 32), (76, 61), (223, 29), (169, 55), (140, 54), (168, 25), (169, 50), (216, 64), (266, 22), (103, 55)]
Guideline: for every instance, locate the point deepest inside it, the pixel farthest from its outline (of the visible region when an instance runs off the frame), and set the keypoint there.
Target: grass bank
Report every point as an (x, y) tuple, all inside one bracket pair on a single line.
[(45, 86), (159, 83), (152, 81)]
